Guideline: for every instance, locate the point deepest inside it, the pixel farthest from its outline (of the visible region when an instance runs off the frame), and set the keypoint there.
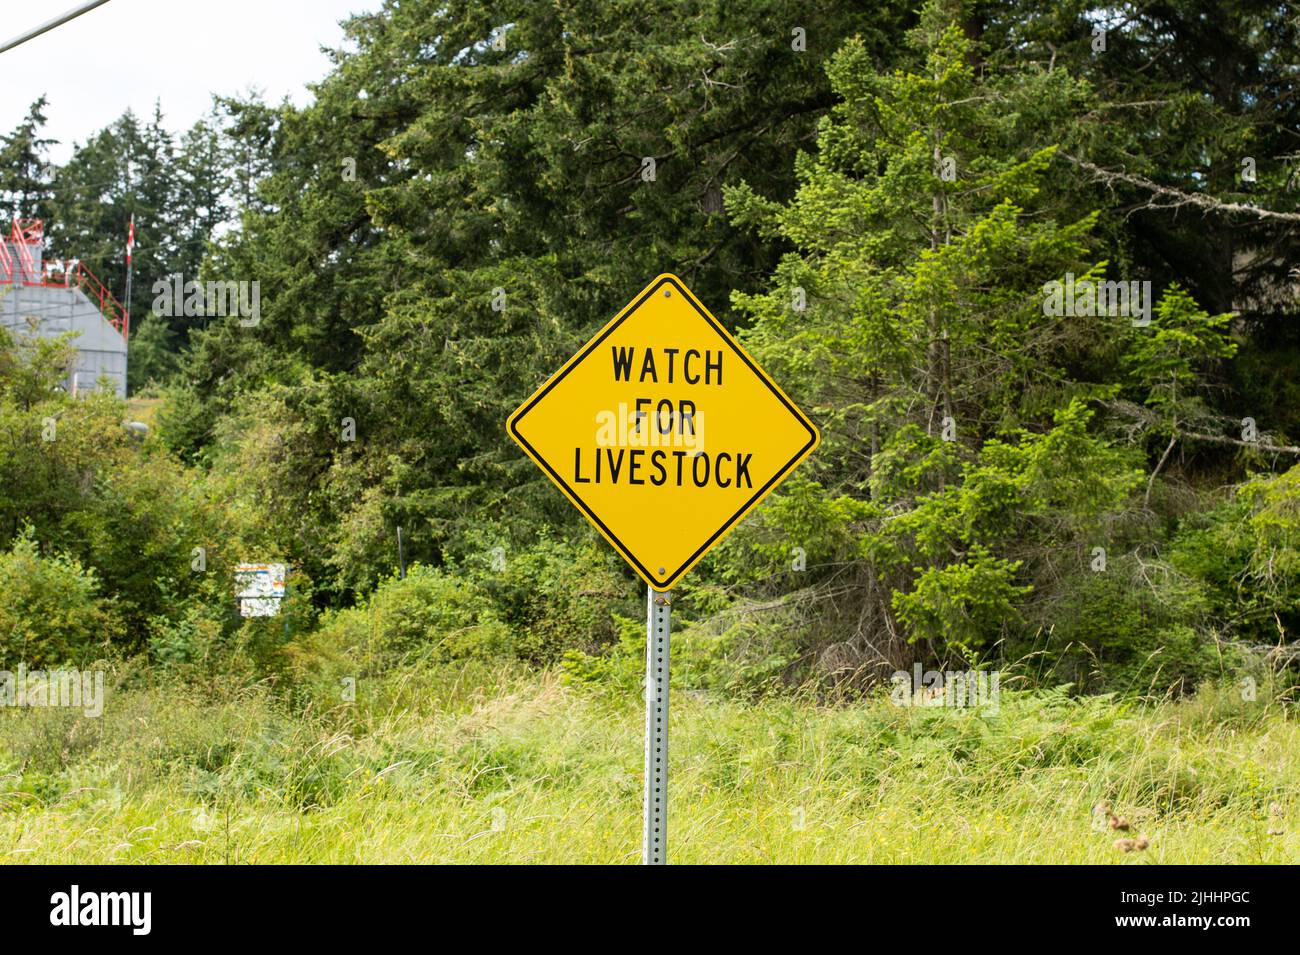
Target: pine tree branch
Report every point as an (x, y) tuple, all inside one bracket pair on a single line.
[(1176, 197), (1144, 416), (1146, 500), (1254, 445)]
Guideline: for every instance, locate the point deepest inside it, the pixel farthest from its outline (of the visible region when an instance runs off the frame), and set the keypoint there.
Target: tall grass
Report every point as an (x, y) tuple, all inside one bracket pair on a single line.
[(480, 764)]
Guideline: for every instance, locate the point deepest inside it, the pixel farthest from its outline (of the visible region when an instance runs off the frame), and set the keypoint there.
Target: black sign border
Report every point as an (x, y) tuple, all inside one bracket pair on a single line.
[(662, 583)]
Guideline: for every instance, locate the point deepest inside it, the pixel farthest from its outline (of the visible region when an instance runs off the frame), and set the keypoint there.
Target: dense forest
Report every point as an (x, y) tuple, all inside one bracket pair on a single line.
[(1028, 265)]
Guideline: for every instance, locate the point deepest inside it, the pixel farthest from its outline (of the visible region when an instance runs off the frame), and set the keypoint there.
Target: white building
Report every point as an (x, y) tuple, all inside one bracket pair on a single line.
[(56, 297)]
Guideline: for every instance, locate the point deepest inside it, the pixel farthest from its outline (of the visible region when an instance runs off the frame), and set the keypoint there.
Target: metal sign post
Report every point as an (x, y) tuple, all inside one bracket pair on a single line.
[(655, 840), (620, 429)]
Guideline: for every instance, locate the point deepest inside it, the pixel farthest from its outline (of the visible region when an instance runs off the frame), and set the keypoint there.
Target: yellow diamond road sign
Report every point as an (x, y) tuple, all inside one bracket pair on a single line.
[(663, 431)]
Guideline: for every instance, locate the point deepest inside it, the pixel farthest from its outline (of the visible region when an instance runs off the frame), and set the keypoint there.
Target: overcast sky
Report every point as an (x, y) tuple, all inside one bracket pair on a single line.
[(128, 53)]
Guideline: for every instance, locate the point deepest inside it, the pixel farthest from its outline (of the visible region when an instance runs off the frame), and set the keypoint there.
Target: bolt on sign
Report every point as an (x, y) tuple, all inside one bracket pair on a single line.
[(663, 431)]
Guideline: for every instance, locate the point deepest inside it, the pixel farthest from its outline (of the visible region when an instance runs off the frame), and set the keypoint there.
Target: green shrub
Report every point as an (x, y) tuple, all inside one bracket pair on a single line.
[(619, 669), (50, 608), (558, 596), (1246, 554), (1140, 626), (189, 638), (429, 613), (431, 608), (554, 601)]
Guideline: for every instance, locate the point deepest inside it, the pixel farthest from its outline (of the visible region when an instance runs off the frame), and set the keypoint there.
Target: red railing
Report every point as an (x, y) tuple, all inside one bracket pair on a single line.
[(29, 232)]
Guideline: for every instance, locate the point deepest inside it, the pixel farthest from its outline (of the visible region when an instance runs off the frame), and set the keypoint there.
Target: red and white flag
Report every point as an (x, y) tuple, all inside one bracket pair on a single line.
[(130, 238)]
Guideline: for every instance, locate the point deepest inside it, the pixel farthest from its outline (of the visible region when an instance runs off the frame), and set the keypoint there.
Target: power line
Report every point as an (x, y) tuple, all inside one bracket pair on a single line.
[(51, 24)]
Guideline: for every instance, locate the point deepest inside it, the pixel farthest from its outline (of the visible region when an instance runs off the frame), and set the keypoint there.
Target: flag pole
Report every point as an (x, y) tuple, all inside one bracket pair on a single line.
[(126, 329)]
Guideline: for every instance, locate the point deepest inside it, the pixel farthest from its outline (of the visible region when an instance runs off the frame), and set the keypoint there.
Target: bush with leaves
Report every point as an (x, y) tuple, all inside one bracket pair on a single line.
[(52, 610), (1246, 556), (539, 605)]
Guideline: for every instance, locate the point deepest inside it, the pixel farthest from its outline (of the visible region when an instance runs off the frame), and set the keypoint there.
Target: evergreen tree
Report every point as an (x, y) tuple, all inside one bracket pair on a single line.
[(24, 167), (180, 196), (95, 194), (547, 159), (912, 321)]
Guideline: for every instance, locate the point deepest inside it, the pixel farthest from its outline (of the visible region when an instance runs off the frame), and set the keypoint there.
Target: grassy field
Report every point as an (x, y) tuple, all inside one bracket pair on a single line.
[(475, 764)]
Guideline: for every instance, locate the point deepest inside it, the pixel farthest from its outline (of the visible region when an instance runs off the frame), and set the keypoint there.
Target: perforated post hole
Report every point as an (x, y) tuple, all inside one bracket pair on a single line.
[(655, 841)]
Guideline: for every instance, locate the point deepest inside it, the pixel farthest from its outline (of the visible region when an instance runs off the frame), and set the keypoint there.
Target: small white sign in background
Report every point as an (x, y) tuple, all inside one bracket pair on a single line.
[(261, 588)]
